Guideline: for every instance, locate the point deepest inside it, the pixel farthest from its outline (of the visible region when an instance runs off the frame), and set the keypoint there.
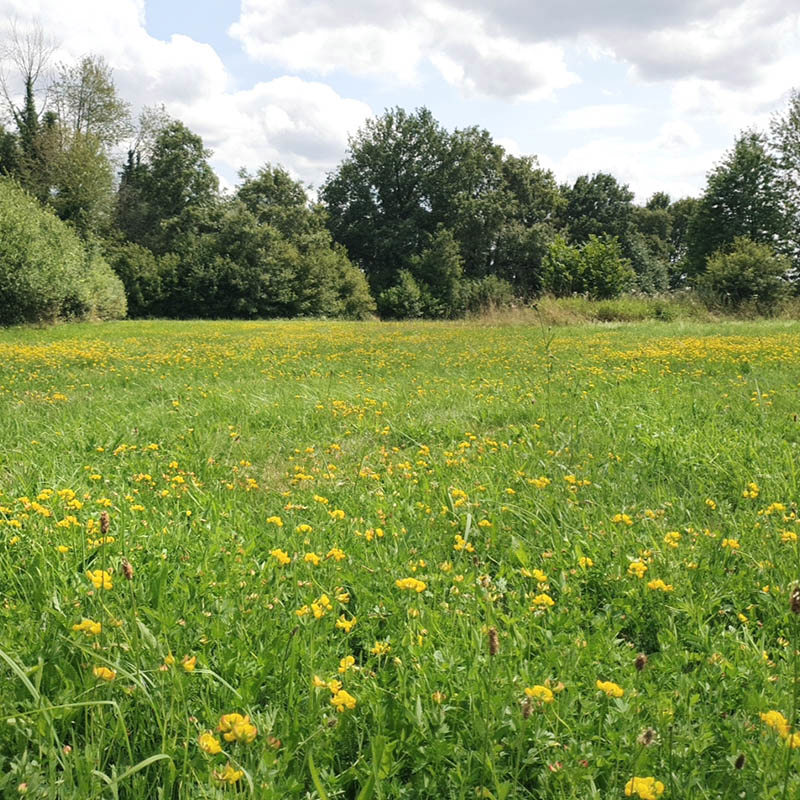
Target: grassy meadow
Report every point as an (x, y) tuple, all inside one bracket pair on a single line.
[(334, 560)]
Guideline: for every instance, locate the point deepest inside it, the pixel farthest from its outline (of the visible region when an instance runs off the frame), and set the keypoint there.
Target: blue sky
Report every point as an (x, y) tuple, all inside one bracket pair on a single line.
[(653, 92)]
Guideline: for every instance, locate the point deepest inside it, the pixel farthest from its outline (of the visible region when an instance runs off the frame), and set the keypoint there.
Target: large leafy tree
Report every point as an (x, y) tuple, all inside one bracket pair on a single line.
[(87, 104), (276, 199), (381, 197), (595, 205), (405, 177), (742, 198), (160, 198), (785, 144)]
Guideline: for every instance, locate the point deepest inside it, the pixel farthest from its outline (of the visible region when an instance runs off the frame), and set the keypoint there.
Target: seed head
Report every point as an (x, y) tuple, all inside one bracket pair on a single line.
[(127, 569), (739, 763), (647, 737), (494, 642), (641, 662), (795, 600), (527, 707), (105, 522)]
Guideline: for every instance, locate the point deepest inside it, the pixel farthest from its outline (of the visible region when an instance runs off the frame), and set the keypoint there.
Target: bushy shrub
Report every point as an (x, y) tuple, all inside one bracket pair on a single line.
[(105, 291), (43, 266), (403, 300), (604, 271), (561, 269), (142, 274), (485, 294), (597, 268), (438, 270), (746, 273)]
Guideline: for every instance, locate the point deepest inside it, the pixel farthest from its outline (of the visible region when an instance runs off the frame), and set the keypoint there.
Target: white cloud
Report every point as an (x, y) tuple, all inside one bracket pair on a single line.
[(608, 115), (301, 124), (396, 40), (672, 161)]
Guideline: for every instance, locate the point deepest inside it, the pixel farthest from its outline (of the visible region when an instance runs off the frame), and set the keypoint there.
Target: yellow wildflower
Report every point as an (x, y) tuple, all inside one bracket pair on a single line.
[(88, 626), (311, 558), (345, 664), (342, 700), (543, 601), (104, 673), (281, 556), (637, 568), (645, 788), (732, 544), (189, 663), (100, 578), (237, 728), (610, 688), (411, 583), (540, 693), (277, 521), (209, 743), (345, 624), (228, 774), (659, 585), (776, 720), (380, 648)]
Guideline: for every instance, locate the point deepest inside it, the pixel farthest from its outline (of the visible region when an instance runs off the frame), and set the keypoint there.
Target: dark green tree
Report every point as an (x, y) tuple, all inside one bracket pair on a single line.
[(380, 199), (597, 204), (742, 198), (159, 199), (785, 145), (276, 199)]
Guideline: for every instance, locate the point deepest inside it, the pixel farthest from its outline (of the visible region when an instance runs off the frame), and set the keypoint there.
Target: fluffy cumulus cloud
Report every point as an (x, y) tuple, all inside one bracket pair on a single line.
[(396, 40), (514, 48), (301, 124)]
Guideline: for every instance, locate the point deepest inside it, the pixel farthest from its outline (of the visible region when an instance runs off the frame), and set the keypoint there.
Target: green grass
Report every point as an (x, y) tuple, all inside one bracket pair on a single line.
[(466, 456)]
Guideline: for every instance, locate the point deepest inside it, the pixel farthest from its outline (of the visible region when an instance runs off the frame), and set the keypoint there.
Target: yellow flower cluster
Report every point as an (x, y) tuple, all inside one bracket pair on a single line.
[(88, 626), (100, 578), (412, 584), (281, 556), (645, 788), (610, 688), (540, 693), (237, 728)]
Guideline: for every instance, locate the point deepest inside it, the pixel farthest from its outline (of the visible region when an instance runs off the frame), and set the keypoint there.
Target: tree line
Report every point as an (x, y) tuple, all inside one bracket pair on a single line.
[(416, 221)]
